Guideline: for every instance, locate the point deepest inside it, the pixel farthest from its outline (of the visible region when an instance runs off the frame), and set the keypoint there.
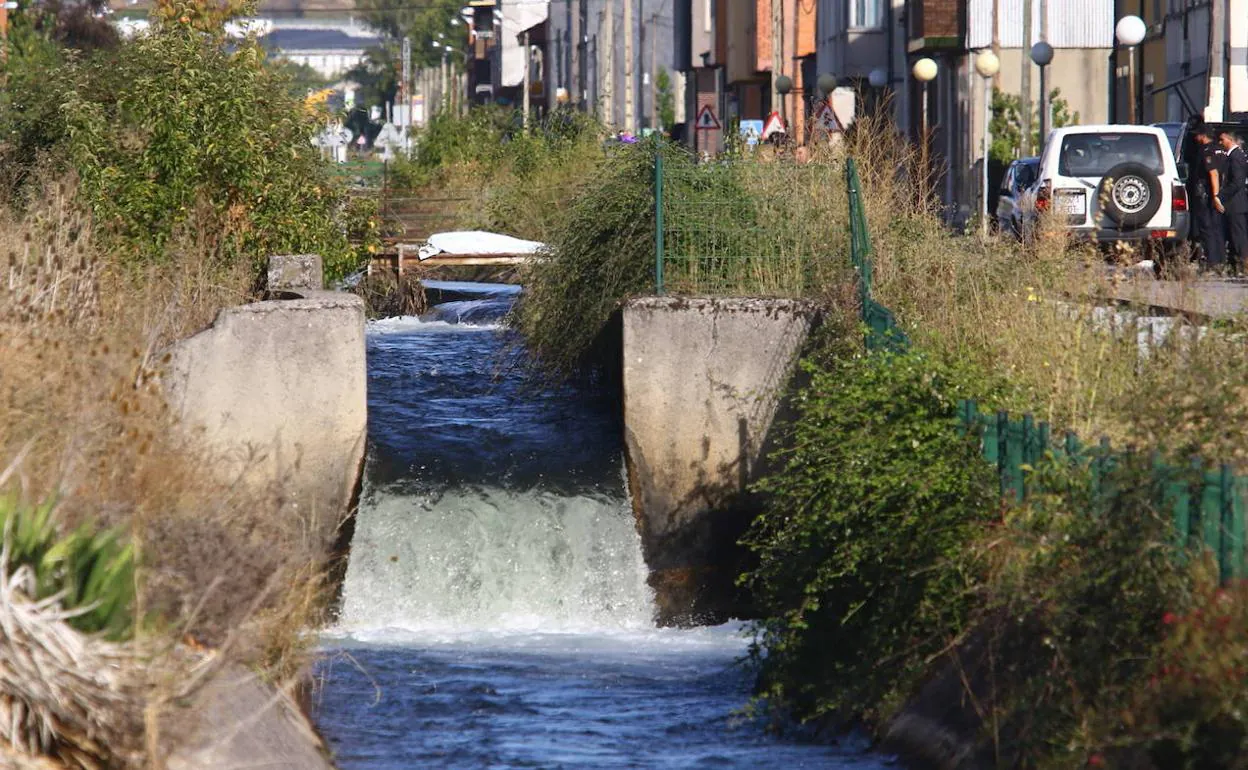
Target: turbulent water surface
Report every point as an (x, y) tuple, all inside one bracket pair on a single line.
[(495, 612)]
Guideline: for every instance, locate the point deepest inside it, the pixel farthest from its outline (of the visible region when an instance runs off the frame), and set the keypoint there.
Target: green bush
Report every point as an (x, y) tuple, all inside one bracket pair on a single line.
[(860, 573), (602, 253), (1077, 586), (180, 131), (91, 572)]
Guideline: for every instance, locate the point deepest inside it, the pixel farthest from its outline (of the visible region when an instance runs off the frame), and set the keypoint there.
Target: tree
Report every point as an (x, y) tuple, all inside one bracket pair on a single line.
[(377, 75), (1005, 125), (666, 106), (426, 23)]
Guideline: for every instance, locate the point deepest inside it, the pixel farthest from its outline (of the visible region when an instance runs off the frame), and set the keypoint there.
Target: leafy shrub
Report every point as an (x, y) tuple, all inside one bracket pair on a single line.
[(860, 570), (1076, 586), (179, 128), (1192, 711)]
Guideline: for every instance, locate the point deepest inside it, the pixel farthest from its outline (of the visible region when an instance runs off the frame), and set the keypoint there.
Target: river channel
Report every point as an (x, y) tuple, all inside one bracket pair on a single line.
[(495, 611)]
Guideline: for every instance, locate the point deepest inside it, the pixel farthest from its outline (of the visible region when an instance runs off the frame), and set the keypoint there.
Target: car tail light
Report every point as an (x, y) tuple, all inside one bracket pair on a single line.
[(1043, 195), (1158, 235), (1180, 198)]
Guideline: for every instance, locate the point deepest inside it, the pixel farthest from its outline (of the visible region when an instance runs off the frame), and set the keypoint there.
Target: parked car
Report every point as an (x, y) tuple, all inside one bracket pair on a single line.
[(1174, 133), (1011, 203), (1113, 183)]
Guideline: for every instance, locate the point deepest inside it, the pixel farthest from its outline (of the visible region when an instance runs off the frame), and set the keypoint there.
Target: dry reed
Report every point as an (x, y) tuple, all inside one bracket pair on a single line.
[(221, 566)]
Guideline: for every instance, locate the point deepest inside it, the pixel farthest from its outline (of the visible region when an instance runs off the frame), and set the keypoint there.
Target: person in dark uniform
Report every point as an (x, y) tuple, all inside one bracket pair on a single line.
[(1208, 219), (1233, 196)]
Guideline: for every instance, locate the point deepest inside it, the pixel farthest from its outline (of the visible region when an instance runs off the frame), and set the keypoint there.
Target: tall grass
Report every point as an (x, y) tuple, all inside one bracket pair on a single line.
[(84, 426)]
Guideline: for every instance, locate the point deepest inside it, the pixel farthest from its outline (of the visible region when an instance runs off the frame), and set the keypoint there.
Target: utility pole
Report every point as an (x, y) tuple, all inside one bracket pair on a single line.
[(996, 39), (405, 87), (630, 70), (655, 121), (1024, 93), (800, 115), (528, 67), (777, 50), (446, 82), (608, 65), (575, 87), (1216, 105)]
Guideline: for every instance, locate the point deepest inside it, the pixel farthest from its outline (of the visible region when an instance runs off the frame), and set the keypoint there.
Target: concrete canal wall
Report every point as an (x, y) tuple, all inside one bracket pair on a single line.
[(703, 381), (277, 392)]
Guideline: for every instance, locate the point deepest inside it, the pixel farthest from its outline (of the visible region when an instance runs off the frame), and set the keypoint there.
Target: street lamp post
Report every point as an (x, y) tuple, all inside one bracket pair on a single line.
[(784, 85), (924, 71), (987, 65), (878, 80), (1130, 31), (1042, 55)]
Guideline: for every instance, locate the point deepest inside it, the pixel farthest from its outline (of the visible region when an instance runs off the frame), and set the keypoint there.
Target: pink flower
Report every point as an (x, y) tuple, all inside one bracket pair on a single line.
[(1169, 618)]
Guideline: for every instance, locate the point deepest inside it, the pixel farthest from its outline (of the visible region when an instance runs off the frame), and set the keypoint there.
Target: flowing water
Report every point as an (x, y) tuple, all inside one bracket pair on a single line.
[(495, 611)]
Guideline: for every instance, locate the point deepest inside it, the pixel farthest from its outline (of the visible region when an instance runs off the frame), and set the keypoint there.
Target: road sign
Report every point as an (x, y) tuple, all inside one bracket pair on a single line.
[(751, 131), (332, 136), (825, 118), (773, 126), (706, 119)]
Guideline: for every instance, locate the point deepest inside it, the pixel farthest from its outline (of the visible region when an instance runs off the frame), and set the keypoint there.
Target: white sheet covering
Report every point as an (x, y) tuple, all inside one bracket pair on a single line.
[(477, 242)]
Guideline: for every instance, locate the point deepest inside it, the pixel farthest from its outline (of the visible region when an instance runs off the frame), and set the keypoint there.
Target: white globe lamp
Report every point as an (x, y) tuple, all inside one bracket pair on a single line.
[(1131, 31), (924, 70)]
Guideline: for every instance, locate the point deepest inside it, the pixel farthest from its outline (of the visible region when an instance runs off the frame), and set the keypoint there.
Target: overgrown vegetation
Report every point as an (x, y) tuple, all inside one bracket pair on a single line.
[(888, 567), (176, 129), (143, 184), (504, 178), (859, 548)]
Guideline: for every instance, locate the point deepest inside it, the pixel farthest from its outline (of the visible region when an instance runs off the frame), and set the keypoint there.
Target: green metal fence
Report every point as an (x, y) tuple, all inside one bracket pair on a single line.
[(883, 333), (1206, 504), (747, 228)]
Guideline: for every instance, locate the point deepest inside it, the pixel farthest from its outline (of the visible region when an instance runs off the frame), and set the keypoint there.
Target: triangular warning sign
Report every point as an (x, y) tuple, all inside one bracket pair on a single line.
[(825, 118), (706, 118), (774, 125)]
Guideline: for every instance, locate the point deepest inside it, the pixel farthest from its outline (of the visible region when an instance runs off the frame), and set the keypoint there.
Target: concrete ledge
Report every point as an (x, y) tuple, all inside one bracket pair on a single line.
[(277, 391), (703, 379), (237, 721), (1212, 299)]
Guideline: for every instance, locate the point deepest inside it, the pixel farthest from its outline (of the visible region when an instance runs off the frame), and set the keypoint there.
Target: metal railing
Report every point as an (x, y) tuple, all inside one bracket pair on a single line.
[(746, 228)]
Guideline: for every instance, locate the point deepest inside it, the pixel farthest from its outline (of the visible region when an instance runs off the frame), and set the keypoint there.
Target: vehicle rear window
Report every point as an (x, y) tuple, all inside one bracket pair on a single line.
[(1095, 154)]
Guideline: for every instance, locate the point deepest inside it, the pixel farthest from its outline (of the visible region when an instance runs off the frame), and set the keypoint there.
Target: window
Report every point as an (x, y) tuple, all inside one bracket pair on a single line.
[(1092, 155), (866, 14)]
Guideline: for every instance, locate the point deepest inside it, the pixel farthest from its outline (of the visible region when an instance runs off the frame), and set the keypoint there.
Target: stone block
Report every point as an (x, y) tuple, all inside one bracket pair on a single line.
[(295, 273)]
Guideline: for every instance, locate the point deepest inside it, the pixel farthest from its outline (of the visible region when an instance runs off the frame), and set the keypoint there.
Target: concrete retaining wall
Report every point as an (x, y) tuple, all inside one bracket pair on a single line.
[(277, 390), (237, 721), (703, 379)]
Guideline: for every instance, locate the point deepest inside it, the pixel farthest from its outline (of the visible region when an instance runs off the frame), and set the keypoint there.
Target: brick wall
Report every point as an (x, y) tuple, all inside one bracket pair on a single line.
[(936, 18)]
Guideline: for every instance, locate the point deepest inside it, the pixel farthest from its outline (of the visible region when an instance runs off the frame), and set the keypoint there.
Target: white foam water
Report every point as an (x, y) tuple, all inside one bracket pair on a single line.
[(482, 559), (408, 324)]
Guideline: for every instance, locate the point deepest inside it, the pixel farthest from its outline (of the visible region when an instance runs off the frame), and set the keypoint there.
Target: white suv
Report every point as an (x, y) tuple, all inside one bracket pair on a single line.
[(1114, 183)]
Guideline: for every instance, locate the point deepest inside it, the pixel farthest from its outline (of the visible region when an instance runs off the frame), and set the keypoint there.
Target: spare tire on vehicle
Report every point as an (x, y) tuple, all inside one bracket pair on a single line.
[(1130, 194)]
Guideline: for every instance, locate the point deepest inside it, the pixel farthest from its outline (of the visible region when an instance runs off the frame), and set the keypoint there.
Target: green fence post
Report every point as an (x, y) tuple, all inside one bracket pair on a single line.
[(1210, 510), (1016, 453), (1226, 526), (992, 441), (1237, 527), (1004, 451), (658, 223)]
